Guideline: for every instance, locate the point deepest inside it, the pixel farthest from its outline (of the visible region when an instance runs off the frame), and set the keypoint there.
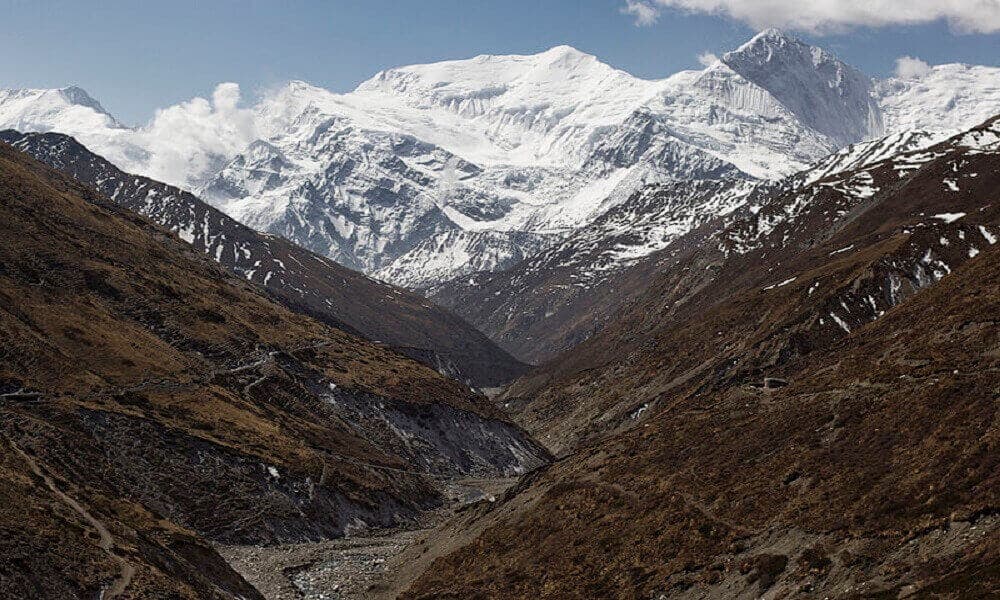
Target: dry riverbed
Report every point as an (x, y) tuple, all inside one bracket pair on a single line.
[(367, 565)]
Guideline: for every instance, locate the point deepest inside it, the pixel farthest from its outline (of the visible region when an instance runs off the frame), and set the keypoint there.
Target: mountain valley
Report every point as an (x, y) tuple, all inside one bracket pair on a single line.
[(169, 403), (513, 326)]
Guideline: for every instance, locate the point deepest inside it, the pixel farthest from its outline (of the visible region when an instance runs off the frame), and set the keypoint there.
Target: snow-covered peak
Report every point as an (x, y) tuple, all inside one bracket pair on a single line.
[(770, 37), (823, 92), (560, 90), (77, 95), (496, 73), (768, 45), (67, 110), (947, 97)]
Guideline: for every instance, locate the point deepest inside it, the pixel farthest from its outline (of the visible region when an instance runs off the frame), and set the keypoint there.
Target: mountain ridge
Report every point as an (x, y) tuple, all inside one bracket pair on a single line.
[(153, 403), (518, 144), (302, 281), (802, 404)]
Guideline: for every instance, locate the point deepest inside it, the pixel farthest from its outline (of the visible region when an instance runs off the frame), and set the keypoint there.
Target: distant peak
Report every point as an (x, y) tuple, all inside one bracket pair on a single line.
[(774, 44), (823, 92), (564, 50), (434, 76), (79, 96), (301, 89), (772, 33), (298, 84), (568, 54), (769, 38)]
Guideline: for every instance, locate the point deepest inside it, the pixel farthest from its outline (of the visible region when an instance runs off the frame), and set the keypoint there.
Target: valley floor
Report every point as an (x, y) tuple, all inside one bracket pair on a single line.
[(373, 565)]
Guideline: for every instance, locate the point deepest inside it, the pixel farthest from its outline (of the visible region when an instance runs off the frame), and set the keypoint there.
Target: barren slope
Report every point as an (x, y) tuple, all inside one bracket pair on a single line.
[(299, 279), (869, 469), (151, 400)]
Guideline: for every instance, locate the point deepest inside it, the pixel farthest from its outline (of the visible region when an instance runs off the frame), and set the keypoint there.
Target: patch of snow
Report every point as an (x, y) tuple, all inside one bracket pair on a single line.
[(778, 285), (989, 237), (840, 322), (949, 217)]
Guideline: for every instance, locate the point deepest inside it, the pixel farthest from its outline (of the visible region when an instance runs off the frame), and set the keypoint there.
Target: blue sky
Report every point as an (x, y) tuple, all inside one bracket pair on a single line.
[(135, 56)]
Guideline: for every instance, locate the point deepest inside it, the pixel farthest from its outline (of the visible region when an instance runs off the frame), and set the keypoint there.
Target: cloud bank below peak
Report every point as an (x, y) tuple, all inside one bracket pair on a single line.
[(187, 141), (824, 16)]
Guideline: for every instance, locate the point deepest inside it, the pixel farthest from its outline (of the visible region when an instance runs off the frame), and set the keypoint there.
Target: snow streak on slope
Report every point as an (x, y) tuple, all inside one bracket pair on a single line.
[(459, 253)]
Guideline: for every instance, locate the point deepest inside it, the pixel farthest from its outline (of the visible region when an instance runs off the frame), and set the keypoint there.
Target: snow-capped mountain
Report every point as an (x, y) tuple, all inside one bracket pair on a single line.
[(560, 296), (304, 282), (429, 172), (70, 110), (822, 92), (948, 98)]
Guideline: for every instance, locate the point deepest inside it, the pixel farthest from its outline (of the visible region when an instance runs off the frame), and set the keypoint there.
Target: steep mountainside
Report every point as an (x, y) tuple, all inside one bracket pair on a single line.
[(557, 298), (434, 259), (299, 279), (429, 172), (152, 402), (825, 94), (873, 474), (372, 189), (804, 405), (910, 218), (560, 297)]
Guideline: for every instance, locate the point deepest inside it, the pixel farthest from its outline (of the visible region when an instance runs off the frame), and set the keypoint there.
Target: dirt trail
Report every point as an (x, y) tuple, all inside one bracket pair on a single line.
[(105, 540)]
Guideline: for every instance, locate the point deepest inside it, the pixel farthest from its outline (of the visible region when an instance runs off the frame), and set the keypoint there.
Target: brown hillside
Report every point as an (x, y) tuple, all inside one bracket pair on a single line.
[(868, 470), (150, 400)]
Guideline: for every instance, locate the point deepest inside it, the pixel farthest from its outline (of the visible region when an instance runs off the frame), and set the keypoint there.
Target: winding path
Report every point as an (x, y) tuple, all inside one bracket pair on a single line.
[(106, 540)]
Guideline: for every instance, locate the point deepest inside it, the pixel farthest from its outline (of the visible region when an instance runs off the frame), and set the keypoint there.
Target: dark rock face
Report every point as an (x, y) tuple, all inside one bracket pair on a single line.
[(297, 278), (151, 401), (872, 473)]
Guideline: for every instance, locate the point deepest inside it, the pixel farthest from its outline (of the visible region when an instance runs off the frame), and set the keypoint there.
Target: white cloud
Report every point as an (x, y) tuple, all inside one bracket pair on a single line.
[(707, 59), (908, 67), (644, 13), (818, 16), (187, 142)]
